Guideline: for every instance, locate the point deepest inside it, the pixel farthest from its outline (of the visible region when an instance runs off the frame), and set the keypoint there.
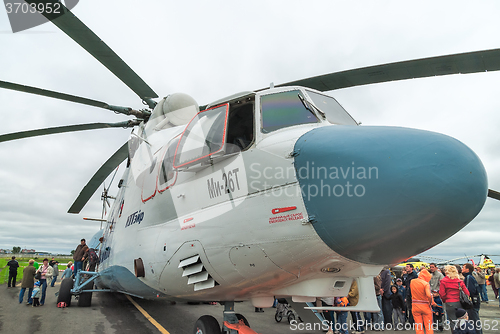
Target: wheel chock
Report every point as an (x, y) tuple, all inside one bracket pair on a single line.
[(240, 327)]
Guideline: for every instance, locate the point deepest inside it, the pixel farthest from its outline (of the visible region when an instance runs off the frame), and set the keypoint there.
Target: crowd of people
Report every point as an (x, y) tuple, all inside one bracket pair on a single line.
[(423, 301), (36, 279)]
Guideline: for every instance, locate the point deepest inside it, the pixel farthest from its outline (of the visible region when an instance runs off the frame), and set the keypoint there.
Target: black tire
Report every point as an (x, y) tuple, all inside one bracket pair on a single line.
[(85, 299), (291, 317), (278, 316), (206, 325), (65, 292)]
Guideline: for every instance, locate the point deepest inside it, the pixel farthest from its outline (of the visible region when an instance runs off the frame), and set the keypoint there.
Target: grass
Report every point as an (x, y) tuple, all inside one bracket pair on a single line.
[(23, 262)]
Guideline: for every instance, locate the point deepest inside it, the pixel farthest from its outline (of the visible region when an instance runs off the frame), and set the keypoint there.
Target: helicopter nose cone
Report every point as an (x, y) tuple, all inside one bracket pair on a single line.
[(379, 195)]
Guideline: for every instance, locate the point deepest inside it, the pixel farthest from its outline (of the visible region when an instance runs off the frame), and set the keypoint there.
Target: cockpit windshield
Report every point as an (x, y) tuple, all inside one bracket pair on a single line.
[(284, 109), (334, 112)]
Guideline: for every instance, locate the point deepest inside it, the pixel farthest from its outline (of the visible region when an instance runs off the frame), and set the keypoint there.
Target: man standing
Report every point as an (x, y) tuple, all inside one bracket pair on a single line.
[(411, 275), (480, 277), (55, 268), (78, 256), (473, 287), (385, 275), (436, 277), (13, 265), (28, 281), (496, 279)]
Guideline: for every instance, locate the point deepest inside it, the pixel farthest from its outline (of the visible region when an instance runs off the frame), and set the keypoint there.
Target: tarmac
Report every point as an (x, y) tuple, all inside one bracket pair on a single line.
[(115, 313)]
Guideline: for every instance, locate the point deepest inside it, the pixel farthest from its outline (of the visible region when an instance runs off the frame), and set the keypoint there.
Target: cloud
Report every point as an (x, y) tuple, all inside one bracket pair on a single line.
[(214, 50)]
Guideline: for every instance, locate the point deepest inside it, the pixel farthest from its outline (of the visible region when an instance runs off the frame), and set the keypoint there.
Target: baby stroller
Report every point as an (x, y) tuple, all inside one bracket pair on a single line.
[(283, 309)]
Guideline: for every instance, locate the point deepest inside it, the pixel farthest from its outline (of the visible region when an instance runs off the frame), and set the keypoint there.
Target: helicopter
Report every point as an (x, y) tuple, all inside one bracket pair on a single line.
[(217, 200)]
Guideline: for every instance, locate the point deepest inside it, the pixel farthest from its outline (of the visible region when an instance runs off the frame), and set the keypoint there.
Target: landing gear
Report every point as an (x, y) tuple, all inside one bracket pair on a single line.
[(241, 317), (206, 325), (234, 323), (85, 298), (65, 291)]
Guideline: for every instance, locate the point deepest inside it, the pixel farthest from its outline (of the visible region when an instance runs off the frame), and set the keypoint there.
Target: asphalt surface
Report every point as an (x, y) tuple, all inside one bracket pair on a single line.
[(115, 313)]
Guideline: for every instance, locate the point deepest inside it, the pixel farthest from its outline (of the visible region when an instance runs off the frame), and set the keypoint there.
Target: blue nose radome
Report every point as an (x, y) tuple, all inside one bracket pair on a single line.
[(379, 195)]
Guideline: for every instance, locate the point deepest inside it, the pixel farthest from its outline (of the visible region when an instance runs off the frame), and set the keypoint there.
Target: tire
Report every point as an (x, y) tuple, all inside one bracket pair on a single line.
[(278, 316), (65, 292), (291, 317), (85, 299), (206, 325)]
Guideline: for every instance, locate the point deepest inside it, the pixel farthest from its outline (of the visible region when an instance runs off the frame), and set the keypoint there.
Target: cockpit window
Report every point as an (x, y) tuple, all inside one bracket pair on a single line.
[(334, 112), (284, 109), (167, 175), (204, 136)]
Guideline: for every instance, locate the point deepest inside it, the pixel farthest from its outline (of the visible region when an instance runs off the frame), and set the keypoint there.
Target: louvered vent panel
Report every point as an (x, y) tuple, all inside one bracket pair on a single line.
[(196, 273)]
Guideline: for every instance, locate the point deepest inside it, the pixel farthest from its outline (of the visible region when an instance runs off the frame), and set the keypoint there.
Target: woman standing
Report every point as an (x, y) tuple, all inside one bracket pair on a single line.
[(46, 271), (449, 292), (421, 302)]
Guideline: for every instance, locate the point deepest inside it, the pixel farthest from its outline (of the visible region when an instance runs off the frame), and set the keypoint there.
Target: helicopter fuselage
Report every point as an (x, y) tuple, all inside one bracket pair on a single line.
[(280, 193)]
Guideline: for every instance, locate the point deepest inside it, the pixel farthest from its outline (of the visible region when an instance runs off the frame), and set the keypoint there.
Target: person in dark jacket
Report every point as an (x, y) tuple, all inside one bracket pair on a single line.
[(28, 281), (411, 274), (78, 256), (464, 325), (473, 287), (385, 275), (398, 308), (13, 265), (491, 279)]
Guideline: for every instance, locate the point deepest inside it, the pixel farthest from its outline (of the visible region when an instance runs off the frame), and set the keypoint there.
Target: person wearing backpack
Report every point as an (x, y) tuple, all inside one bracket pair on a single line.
[(473, 287), (92, 258)]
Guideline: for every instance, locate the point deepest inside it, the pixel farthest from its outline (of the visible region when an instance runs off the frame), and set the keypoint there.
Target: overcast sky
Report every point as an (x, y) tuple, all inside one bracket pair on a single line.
[(214, 49)]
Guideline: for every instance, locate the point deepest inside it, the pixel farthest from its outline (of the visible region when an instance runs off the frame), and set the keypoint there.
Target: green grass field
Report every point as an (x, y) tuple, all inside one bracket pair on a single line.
[(23, 262)]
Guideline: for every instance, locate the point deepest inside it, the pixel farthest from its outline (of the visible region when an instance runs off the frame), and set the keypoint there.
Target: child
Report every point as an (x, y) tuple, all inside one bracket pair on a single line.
[(398, 308), (437, 310), (37, 292), (463, 325), (68, 272)]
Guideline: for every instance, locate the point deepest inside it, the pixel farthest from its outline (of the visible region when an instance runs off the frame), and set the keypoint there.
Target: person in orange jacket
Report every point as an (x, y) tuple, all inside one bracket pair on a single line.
[(422, 302)]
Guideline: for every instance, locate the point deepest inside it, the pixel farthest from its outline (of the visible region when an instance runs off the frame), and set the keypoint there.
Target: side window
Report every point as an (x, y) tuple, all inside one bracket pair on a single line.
[(203, 137), (240, 133), (168, 174), (284, 109)]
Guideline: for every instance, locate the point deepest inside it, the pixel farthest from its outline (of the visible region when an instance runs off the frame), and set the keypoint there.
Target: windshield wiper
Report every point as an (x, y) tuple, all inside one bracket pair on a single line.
[(309, 106)]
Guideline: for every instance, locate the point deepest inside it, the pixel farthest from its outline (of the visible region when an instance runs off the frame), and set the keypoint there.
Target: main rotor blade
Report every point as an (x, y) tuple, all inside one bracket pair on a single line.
[(95, 182), (67, 128), (50, 93), (470, 62), (80, 33), (494, 194)]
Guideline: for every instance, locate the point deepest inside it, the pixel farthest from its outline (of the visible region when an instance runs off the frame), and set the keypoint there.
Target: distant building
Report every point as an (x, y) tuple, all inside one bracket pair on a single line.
[(28, 251)]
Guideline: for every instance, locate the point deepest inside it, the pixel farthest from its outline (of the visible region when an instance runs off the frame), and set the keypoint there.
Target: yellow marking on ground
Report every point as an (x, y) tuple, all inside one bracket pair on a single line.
[(147, 316)]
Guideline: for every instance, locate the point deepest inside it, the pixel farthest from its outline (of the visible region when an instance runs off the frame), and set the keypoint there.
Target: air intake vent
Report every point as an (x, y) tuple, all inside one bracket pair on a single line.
[(196, 273)]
